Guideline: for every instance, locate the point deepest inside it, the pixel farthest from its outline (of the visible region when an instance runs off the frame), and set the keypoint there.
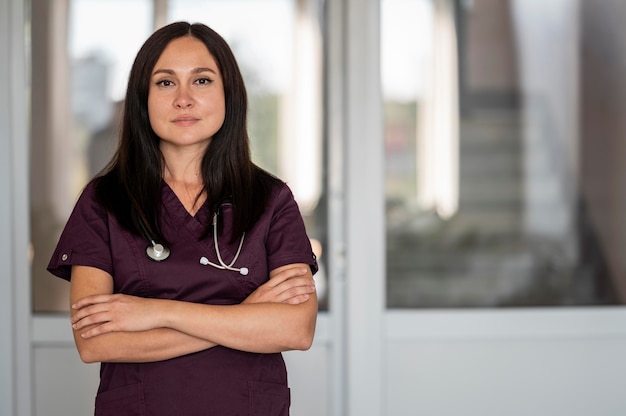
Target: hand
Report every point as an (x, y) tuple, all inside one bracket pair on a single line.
[(114, 313), (293, 286)]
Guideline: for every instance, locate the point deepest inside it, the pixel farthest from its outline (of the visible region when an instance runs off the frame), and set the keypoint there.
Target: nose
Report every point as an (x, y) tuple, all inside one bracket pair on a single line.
[(183, 99)]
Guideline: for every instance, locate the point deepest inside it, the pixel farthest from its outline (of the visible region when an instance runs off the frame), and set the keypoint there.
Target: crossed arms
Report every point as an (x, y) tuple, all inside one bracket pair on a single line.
[(279, 315)]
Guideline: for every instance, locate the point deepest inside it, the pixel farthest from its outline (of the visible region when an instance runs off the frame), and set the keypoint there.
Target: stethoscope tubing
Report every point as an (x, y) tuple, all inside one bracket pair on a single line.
[(158, 252), (222, 265)]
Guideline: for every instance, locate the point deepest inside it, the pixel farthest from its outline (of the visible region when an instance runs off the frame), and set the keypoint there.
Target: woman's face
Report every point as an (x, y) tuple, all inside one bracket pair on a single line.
[(186, 98)]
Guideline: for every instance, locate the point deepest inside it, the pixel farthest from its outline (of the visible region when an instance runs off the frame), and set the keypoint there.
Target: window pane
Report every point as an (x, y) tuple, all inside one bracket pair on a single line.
[(80, 69), (498, 194), (278, 45), (79, 72)]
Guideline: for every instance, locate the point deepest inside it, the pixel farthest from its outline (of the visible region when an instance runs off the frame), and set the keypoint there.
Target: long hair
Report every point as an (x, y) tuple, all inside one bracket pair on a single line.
[(130, 186)]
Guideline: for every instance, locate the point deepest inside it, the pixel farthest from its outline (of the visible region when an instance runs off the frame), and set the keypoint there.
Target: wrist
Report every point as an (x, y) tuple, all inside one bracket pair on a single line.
[(165, 313)]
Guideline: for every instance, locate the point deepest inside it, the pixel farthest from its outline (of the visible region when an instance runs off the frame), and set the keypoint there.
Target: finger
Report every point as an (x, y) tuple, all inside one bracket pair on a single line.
[(295, 292), (286, 275), (104, 328), (286, 290), (294, 283), (91, 300), (94, 319), (89, 310), (296, 300), (285, 295)]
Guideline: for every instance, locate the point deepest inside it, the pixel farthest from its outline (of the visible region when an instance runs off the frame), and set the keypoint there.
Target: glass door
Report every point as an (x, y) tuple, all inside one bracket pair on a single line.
[(503, 209), (81, 55)]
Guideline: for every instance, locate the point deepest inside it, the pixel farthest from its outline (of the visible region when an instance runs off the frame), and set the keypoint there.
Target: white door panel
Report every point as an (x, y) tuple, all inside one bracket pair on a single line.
[(489, 363)]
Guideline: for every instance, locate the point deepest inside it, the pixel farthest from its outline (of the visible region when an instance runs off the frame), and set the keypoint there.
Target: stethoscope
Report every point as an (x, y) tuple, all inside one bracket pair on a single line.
[(159, 252)]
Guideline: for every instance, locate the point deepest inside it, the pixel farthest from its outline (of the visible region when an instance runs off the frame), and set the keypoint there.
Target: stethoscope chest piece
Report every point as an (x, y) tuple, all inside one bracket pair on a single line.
[(157, 252)]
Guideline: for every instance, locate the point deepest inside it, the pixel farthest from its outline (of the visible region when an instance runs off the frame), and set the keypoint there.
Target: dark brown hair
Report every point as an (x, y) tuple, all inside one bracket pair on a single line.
[(130, 186)]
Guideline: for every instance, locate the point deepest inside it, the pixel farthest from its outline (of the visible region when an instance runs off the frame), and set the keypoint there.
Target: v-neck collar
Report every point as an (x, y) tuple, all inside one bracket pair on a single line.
[(175, 209)]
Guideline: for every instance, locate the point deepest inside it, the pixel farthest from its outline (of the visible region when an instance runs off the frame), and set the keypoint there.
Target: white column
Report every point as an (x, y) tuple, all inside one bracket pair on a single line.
[(334, 113), (15, 310), (365, 243)]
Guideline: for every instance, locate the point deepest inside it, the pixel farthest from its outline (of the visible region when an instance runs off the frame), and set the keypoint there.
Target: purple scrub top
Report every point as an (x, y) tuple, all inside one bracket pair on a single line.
[(217, 381)]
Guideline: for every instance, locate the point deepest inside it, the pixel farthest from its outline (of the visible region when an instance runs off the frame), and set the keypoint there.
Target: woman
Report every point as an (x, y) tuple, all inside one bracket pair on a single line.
[(193, 324)]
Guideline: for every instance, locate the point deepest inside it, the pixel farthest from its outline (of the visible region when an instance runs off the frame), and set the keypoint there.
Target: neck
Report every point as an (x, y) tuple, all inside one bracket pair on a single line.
[(187, 184), (188, 176), (182, 167), (182, 173)]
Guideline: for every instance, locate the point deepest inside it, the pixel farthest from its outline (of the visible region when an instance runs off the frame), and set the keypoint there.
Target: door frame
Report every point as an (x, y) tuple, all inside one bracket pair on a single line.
[(358, 327), (15, 305), (352, 330)]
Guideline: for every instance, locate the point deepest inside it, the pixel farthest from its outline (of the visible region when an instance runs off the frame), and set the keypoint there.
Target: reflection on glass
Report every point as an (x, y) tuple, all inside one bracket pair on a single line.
[(484, 201), (82, 86), (278, 46), (77, 89)]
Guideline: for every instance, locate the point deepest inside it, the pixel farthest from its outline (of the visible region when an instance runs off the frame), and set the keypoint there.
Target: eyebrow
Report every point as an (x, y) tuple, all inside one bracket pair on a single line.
[(194, 71)]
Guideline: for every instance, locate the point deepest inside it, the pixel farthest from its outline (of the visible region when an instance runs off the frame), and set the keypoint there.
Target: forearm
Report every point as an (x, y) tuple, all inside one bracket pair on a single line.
[(260, 327), (146, 346), (279, 315)]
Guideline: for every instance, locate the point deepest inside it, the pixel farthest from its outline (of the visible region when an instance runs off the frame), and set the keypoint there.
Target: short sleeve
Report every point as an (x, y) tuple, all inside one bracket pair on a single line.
[(287, 241), (85, 239)]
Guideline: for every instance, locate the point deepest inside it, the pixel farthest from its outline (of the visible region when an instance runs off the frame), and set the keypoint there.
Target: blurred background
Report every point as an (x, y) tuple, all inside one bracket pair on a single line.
[(458, 163)]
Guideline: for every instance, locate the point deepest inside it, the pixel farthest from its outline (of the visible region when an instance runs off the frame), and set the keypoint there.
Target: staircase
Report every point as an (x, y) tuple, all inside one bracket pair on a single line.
[(478, 258)]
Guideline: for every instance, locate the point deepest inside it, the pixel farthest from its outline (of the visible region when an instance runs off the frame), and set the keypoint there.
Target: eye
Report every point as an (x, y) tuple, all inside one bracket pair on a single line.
[(164, 83), (204, 81)]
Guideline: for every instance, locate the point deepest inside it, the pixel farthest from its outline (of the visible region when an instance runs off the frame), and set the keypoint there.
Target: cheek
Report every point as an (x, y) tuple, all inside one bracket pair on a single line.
[(154, 115), (219, 108), (215, 102)]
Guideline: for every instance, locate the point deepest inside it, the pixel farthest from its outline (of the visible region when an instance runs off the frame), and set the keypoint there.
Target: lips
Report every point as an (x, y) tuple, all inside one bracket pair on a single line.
[(185, 120)]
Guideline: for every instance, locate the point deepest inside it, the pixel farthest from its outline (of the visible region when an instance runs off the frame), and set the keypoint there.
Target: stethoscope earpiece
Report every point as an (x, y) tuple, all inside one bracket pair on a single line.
[(242, 271)]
